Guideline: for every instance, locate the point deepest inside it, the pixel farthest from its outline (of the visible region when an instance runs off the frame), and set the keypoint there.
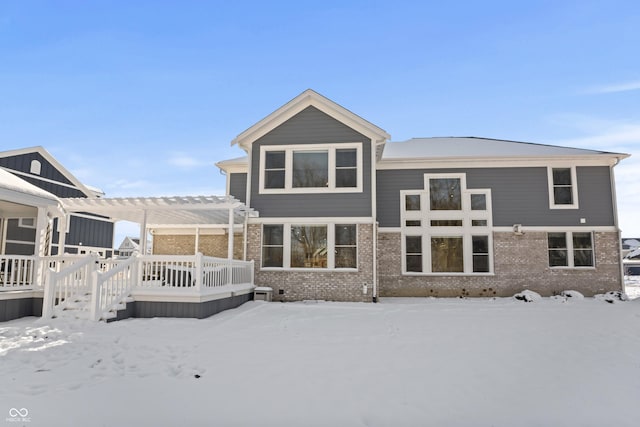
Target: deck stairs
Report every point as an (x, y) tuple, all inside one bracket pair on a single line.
[(79, 307)]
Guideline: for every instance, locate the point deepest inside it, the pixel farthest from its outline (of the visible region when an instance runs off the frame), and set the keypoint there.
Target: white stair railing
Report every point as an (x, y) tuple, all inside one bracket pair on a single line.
[(61, 286), (112, 287)]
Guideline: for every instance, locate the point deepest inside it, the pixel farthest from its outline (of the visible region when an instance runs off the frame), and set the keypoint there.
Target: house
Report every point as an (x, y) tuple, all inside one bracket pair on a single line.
[(347, 215), (83, 232), (128, 246)]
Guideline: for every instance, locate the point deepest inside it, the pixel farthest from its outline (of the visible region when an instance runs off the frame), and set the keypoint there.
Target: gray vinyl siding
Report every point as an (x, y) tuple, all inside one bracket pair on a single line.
[(53, 188), (21, 234), (238, 186), (312, 126), (149, 309), (11, 309), (89, 232), (519, 195), (22, 163)]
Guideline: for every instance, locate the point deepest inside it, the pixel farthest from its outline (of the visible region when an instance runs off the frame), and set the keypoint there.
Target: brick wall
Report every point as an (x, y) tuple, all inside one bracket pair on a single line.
[(520, 262), (298, 285), (209, 245)]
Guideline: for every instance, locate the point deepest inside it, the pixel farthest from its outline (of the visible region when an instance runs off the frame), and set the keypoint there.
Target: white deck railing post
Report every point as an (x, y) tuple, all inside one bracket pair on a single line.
[(95, 293), (49, 294), (199, 270)]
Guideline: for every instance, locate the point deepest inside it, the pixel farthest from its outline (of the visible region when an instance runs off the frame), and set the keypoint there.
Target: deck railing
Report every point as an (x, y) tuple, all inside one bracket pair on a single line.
[(16, 272), (62, 286), (112, 285)]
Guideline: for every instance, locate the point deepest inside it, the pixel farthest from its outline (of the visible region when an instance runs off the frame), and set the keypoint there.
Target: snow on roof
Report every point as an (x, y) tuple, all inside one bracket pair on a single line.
[(12, 184), (447, 147)]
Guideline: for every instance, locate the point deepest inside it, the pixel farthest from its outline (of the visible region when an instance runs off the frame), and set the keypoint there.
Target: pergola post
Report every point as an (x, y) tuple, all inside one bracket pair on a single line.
[(143, 233), (62, 233), (230, 247)]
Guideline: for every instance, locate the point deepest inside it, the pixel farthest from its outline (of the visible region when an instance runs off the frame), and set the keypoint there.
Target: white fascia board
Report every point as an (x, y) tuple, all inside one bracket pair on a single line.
[(306, 99), (558, 228), (26, 199), (506, 162)]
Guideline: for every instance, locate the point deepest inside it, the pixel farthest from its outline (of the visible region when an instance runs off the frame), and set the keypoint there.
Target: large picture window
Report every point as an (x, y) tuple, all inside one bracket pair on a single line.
[(446, 227), (310, 246), (572, 249), (311, 168)]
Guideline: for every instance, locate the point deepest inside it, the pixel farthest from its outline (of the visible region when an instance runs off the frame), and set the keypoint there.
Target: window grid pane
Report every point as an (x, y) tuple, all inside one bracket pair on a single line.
[(272, 245), (414, 253), (445, 194), (412, 202), (447, 255), (562, 186)]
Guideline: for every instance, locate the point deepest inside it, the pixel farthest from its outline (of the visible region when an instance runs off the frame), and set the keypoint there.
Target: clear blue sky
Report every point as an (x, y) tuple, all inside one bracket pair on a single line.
[(141, 98)]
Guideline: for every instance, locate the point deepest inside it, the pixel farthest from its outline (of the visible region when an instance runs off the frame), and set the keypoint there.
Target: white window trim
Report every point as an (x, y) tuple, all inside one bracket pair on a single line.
[(331, 246), (574, 188), (570, 255), (288, 173), (466, 231)]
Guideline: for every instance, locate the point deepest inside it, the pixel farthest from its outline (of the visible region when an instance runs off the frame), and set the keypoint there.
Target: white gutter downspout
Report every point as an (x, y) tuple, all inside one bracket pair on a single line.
[(374, 222), (614, 199)]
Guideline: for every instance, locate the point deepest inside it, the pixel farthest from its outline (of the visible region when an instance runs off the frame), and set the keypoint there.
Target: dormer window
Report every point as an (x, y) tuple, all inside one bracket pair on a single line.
[(311, 168)]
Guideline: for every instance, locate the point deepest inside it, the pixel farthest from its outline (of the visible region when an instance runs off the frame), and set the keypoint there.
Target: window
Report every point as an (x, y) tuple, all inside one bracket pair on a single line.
[(274, 166), (447, 255), (444, 194), (311, 168), (346, 168), (449, 233), (562, 188), (27, 223), (272, 245), (309, 246), (572, 250), (412, 202), (413, 250), (346, 246), (480, 254)]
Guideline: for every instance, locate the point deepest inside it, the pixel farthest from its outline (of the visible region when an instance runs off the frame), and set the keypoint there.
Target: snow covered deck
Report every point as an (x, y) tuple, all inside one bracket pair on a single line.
[(98, 288)]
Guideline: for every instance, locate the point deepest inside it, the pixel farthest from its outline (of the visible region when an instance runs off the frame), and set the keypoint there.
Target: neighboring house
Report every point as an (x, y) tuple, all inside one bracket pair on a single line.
[(84, 232), (629, 245), (128, 246), (346, 215)]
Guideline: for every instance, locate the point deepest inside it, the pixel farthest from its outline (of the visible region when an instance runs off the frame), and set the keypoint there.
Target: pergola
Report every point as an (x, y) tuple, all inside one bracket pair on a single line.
[(154, 212)]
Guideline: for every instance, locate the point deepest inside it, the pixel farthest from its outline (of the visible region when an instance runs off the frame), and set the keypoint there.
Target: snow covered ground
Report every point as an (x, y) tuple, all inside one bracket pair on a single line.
[(403, 362)]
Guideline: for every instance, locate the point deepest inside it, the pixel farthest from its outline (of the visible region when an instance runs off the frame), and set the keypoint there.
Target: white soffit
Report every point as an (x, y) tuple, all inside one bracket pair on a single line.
[(163, 210)]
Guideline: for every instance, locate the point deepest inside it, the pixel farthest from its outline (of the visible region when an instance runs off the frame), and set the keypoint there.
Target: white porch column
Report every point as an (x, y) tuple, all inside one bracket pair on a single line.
[(143, 233), (197, 240), (230, 247), (62, 233), (41, 231)]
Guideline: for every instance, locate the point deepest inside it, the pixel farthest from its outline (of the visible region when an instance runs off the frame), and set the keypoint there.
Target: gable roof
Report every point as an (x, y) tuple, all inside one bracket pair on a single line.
[(474, 148), (87, 190), (306, 99), (17, 190)]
